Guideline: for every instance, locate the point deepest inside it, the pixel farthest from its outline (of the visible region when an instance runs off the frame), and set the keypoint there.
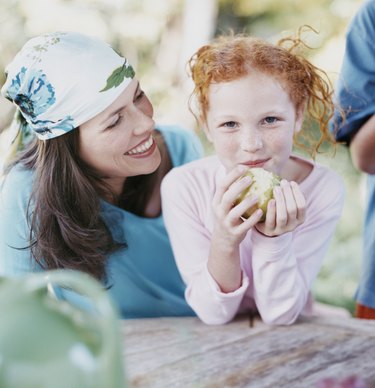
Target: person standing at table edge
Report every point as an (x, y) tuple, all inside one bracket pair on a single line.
[(355, 92), (84, 193)]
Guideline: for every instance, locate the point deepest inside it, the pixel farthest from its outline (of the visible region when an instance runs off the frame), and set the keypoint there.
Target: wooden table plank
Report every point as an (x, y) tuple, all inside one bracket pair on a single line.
[(183, 352)]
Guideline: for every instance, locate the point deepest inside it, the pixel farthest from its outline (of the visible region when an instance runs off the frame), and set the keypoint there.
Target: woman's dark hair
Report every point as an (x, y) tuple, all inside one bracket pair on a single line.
[(66, 227)]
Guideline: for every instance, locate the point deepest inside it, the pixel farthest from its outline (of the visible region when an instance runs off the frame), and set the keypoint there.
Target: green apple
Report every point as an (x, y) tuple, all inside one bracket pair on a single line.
[(262, 186)]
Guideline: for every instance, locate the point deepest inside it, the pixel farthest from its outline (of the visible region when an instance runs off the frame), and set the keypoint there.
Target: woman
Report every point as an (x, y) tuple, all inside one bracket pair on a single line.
[(84, 193)]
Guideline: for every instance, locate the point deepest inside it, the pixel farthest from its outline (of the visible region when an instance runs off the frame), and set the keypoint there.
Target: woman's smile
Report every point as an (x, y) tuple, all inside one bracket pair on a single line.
[(145, 148)]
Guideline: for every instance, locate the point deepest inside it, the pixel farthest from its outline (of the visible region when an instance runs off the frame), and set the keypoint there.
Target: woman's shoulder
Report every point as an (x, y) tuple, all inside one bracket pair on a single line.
[(18, 174), (183, 144), (17, 182)]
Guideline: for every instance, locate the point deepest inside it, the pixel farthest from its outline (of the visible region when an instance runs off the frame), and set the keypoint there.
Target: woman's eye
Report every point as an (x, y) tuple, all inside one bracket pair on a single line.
[(116, 122), (271, 120), (140, 95), (230, 124)]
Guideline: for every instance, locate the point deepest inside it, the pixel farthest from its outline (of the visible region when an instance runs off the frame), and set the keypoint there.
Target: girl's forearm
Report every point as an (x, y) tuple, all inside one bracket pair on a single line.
[(224, 266)]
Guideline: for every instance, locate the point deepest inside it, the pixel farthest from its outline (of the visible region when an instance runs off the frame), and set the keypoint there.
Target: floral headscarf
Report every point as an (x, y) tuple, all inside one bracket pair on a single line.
[(59, 81)]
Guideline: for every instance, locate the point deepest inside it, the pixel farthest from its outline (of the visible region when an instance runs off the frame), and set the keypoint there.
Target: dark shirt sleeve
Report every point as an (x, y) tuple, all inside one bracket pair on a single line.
[(355, 89)]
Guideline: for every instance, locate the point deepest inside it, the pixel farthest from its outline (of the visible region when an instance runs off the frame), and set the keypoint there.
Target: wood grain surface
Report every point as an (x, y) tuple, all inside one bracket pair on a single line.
[(183, 352)]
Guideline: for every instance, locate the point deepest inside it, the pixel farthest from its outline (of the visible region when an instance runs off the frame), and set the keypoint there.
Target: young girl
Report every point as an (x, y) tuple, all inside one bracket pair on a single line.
[(252, 98)]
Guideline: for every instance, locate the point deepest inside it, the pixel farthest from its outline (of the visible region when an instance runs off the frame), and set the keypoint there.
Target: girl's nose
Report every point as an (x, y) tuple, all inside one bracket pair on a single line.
[(252, 141)]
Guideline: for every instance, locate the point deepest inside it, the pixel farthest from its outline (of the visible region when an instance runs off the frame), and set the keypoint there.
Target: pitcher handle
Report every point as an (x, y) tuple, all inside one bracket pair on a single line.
[(84, 284)]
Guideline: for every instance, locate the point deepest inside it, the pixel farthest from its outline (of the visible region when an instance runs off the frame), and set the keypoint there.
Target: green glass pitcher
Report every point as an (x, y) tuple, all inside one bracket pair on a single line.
[(46, 342)]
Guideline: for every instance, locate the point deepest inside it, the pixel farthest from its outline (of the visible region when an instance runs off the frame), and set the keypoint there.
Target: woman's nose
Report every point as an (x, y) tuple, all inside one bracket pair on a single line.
[(142, 123)]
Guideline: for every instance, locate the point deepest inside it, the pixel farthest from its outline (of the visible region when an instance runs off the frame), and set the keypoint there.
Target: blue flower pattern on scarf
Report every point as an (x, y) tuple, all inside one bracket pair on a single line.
[(34, 95)]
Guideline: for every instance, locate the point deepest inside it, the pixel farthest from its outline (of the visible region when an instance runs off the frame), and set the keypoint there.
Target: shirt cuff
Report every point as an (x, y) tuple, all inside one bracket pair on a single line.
[(270, 248), (216, 291)]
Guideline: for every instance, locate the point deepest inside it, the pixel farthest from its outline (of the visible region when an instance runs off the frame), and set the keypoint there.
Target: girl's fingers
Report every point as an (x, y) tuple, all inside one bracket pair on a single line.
[(287, 209), (231, 177), (290, 202), (238, 210), (270, 222), (223, 187), (299, 200), (250, 222), (281, 211), (234, 191)]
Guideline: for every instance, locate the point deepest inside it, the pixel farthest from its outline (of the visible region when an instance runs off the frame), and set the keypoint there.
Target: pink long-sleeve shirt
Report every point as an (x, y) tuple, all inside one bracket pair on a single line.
[(277, 272)]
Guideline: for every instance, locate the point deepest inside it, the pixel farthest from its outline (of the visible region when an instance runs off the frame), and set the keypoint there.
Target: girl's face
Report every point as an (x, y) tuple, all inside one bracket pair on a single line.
[(251, 121), (117, 142)]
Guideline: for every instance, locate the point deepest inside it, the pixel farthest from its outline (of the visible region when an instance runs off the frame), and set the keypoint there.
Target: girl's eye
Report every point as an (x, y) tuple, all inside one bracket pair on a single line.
[(271, 120), (117, 122), (230, 124)]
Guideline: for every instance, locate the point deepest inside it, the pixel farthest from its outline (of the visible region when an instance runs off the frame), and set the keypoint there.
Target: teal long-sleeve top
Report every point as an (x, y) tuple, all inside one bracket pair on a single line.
[(143, 278)]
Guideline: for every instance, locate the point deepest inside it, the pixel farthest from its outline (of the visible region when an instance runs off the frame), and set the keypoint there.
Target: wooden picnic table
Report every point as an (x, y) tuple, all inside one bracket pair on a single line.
[(184, 352)]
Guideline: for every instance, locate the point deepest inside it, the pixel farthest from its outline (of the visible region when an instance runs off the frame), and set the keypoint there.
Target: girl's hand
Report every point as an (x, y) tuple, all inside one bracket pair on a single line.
[(285, 212), (229, 228)]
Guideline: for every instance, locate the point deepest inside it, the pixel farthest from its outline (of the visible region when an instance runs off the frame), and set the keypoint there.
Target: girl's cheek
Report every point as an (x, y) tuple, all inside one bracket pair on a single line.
[(228, 148)]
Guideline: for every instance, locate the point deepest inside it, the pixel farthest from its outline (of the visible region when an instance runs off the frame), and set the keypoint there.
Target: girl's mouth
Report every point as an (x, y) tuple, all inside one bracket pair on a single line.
[(255, 163)]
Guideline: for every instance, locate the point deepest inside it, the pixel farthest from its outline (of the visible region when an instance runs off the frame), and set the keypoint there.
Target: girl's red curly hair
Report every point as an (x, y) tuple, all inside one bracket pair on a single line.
[(232, 57)]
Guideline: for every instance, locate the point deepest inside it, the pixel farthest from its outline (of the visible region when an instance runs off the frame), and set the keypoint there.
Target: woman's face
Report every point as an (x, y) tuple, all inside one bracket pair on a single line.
[(251, 121), (118, 142)]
